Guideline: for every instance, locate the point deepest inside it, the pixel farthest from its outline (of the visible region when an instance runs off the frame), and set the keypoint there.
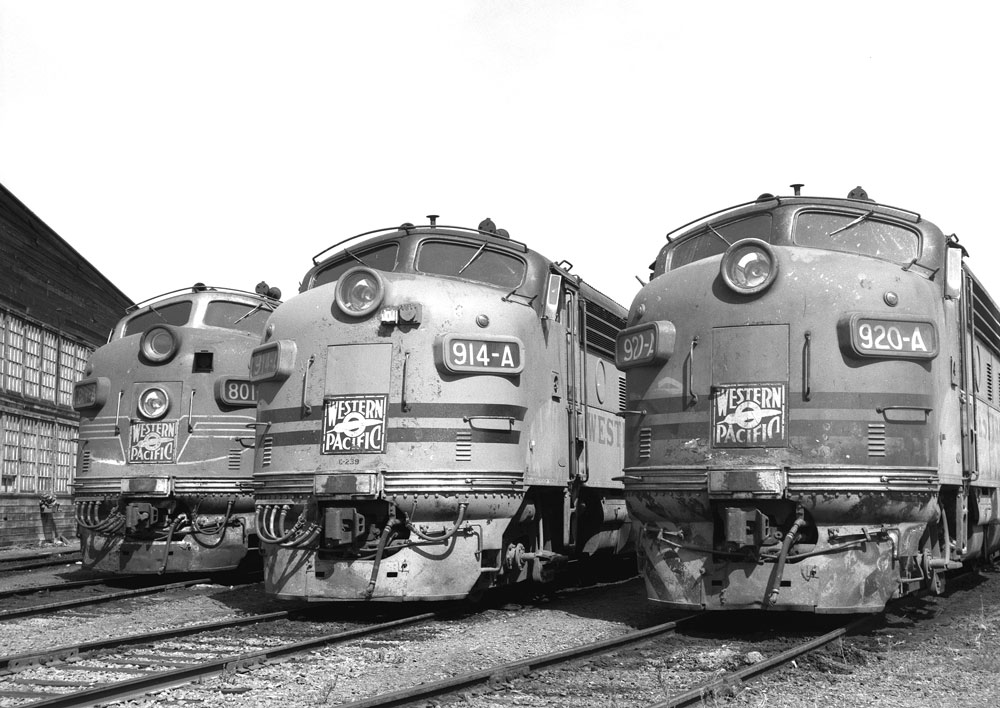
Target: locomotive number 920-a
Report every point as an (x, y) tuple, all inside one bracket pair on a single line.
[(893, 338), (483, 355)]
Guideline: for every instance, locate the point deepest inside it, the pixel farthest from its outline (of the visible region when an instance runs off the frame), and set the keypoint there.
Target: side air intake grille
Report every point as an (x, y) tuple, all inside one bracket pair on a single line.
[(645, 443), (265, 454), (876, 440), (463, 446)]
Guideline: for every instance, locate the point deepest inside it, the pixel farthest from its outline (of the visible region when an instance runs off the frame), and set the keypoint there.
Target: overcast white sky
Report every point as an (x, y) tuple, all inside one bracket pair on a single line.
[(229, 142)]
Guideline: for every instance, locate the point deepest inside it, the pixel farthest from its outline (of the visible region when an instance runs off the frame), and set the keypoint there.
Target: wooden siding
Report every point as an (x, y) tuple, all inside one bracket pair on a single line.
[(55, 309)]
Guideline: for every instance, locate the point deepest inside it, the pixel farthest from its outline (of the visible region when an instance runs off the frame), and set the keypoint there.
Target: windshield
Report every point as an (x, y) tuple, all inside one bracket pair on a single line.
[(241, 316), (857, 233), (381, 258), (174, 313), (472, 262), (714, 240)]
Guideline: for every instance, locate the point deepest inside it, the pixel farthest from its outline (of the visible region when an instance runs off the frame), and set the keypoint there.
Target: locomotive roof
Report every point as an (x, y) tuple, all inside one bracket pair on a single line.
[(201, 290), (487, 233), (770, 202)]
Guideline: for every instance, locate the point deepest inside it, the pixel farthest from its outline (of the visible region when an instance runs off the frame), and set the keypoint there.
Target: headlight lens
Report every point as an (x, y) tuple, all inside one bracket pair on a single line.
[(749, 266), (153, 403), (359, 291), (159, 344)]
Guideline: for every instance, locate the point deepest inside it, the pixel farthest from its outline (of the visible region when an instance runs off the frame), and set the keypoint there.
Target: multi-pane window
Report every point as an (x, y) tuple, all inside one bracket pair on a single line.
[(36, 455), (65, 457), (13, 359), (46, 456), (36, 362), (28, 464), (10, 433)]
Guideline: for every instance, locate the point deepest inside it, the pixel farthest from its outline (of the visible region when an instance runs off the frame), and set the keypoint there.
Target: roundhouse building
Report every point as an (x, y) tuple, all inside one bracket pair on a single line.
[(55, 309)]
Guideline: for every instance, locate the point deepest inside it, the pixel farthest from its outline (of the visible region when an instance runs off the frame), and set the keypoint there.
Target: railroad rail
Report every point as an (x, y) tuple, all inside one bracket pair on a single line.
[(607, 646), (156, 672), (712, 687), (70, 585), (39, 560), (461, 681), (97, 599)]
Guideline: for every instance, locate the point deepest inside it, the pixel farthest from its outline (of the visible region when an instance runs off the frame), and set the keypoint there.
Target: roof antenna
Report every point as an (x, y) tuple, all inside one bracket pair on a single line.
[(433, 218), (798, 188)]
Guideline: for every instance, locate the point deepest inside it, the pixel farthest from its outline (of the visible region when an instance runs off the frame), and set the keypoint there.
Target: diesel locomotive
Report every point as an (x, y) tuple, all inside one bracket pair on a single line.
[(438, 415), (167, 409), (813, 407)]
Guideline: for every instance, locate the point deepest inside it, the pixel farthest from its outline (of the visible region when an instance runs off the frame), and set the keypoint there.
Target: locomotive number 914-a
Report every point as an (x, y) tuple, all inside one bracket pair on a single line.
[(483, 355), (912, 339)]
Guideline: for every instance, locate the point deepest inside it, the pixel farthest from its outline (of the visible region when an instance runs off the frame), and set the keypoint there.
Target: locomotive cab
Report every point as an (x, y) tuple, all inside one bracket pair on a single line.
[(437, 416), (803, 408), (167, 410)]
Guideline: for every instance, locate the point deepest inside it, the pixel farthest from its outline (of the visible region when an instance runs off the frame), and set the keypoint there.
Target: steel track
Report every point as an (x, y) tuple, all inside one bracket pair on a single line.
[(107, 597), (710, 688), (60, 586), (151, 679), (448, 685), (28, 562)]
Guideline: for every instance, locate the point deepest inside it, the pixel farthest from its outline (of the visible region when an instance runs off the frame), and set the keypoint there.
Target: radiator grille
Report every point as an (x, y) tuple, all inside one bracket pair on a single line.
[(876, 440), (622, 394), (85, 462), (234, 459), (989, 381)]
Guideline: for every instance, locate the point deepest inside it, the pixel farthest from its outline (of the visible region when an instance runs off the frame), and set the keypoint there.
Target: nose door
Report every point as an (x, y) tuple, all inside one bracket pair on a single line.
[(749, 404)]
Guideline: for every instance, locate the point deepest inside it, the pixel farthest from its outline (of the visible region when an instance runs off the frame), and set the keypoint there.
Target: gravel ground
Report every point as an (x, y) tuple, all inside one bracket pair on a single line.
[(941, 651)]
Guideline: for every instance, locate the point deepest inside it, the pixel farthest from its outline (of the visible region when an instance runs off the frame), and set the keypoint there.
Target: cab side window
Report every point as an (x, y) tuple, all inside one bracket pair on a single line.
[(176, 314), (707, 243), (384, 258), (472, 262)]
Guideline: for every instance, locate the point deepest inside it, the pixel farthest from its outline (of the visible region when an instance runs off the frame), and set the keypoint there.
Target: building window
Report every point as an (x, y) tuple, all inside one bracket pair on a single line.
[(10, 433), (14, 356), (65, 457)]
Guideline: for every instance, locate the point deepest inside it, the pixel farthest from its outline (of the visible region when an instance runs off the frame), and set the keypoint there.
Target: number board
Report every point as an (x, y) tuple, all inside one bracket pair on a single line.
[(636, 346), (236, 392), (896, 338), (272, 360), (645, 344), (497, 355)]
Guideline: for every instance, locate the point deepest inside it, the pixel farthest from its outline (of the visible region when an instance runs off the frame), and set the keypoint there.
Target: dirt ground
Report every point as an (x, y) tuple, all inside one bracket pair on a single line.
[(927, 651)]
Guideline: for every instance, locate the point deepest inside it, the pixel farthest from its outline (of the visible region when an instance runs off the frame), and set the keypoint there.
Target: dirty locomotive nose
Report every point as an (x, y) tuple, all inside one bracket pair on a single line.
[(808, 392)]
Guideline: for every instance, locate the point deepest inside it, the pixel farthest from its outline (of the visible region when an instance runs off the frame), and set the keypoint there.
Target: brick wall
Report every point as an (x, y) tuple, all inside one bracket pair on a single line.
[(23, 524)]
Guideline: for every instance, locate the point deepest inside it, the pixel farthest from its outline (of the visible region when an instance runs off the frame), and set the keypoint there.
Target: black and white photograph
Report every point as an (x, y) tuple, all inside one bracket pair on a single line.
[(483, 353)]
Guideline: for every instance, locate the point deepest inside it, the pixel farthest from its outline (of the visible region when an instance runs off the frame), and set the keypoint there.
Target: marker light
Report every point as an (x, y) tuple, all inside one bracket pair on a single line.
[(159, 344), (153, 403), (359, 291), (749, 266)]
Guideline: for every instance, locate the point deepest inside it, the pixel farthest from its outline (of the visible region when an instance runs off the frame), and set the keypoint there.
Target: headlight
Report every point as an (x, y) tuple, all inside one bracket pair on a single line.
[(749, 266), (359, 291), (159, 344), (153, 403)]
